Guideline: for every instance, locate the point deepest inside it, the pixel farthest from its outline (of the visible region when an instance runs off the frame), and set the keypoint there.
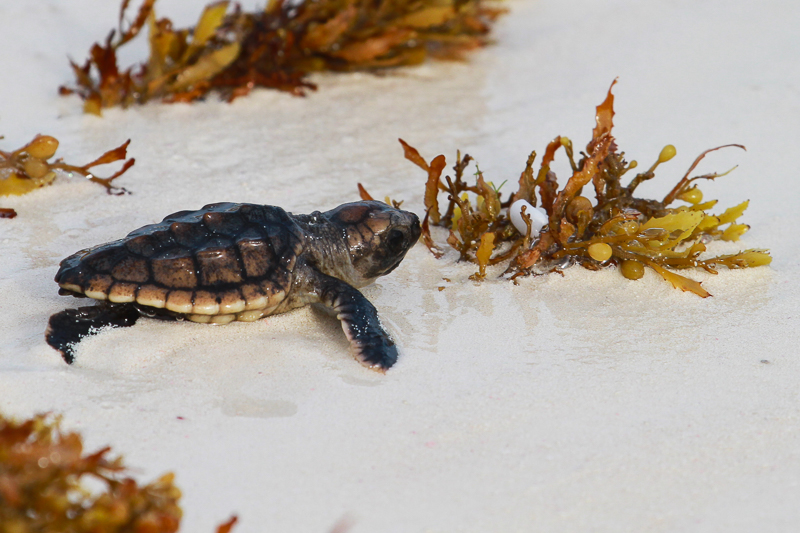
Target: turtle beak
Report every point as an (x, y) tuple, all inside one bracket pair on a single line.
[(415, 231)]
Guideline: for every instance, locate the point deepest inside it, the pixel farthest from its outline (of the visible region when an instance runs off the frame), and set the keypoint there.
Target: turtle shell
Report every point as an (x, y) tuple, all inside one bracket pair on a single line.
[(222, 263)]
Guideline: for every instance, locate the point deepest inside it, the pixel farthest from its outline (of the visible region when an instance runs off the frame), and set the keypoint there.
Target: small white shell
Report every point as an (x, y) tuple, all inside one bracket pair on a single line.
[(537, 214)]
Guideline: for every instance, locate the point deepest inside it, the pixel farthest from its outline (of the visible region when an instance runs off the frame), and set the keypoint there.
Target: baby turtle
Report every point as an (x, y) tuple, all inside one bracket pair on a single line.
[(231, 261)]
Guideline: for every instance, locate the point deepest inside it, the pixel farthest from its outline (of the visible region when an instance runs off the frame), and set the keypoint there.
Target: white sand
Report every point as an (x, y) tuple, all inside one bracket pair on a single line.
[(582, 403)]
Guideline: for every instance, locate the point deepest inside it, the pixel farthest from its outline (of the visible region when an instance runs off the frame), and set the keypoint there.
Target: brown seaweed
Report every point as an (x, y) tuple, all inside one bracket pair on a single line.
[(231, 51), (616, 229), (43, 474), (26, 169)]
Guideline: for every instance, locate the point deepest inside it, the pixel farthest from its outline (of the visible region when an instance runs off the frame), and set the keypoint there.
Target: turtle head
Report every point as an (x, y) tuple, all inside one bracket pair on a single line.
[(377, 237)]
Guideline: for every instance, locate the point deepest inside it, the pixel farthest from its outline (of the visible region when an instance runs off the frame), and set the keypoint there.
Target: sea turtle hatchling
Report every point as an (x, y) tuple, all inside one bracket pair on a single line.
[(231, 261)]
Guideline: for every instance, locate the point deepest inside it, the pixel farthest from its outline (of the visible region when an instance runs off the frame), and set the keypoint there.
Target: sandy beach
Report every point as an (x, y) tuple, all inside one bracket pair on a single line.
[(583, 402)]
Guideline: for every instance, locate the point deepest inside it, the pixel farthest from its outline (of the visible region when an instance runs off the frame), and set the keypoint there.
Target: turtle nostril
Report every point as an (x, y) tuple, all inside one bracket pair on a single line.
[(416, 229)]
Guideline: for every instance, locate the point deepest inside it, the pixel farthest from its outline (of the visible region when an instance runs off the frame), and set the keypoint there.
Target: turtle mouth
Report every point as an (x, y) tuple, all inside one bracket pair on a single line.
[(388, 270), (382, 268)]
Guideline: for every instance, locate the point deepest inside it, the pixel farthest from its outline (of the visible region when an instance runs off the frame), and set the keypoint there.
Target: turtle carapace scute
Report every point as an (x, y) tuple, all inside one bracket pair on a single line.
[(231, 261)]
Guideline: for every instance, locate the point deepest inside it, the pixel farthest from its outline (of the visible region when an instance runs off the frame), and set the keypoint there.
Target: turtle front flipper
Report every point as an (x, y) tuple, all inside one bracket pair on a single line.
[(372, 345), (67, 328)]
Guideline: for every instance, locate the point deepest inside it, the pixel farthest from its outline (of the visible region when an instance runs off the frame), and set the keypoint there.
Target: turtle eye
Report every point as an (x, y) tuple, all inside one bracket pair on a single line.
[(395, 239)]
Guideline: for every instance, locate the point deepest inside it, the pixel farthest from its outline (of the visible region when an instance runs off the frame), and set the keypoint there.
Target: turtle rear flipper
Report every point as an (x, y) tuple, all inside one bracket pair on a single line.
[(67, 328), (372, 345)]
